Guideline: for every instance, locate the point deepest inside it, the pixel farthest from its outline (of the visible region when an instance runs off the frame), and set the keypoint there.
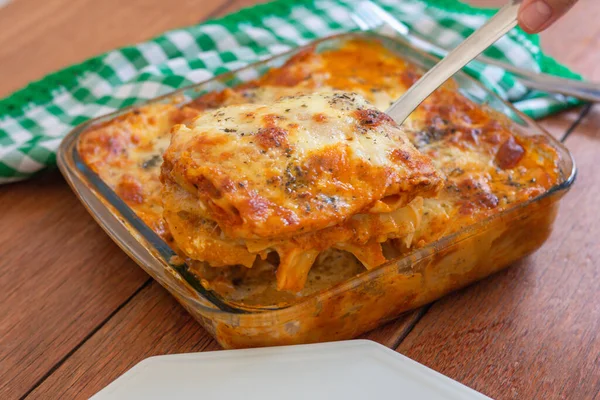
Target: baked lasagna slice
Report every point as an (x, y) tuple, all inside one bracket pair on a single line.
[(290, 179)]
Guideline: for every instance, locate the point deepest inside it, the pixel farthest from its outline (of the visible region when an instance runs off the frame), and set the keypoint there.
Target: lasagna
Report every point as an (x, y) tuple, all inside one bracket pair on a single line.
[(297, 176), (286, 185)]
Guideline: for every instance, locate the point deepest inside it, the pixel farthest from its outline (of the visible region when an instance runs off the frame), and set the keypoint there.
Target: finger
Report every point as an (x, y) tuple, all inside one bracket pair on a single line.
[(537, 15)]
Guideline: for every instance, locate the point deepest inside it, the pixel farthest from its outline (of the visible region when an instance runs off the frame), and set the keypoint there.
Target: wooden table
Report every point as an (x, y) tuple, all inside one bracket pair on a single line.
[(76, 312)]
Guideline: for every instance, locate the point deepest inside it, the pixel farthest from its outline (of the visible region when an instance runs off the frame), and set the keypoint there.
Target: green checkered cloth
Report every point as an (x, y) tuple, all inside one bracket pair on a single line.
[(34, 119)]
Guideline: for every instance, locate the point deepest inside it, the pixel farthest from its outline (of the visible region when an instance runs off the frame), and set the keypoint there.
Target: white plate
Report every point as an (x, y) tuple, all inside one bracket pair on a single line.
[(356, 369)]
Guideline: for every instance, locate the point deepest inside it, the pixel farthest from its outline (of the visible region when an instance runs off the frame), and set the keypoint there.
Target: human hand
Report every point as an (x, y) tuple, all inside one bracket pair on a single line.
[(537, 15)]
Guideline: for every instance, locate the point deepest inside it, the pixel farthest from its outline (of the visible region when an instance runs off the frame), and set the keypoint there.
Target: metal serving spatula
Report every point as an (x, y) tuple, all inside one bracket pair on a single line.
[(369, 16), (503, 21)]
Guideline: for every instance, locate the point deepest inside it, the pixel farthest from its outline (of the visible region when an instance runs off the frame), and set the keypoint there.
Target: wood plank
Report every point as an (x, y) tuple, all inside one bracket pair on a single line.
[(80, 375), (556, 125), (126, 32), (153, 324), (574, 39), (560, 123), (392, 333), (38, 37), (515, 330), (534, 331), (237, 5), (530, 331), (60, 276)]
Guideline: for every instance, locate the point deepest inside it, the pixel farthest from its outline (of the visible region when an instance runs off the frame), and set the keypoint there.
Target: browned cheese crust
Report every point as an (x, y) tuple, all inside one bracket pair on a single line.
[(486, 167)]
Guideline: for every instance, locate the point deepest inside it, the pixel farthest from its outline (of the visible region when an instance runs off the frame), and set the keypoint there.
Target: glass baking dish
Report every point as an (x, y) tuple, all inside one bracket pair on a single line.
[(358, 304)]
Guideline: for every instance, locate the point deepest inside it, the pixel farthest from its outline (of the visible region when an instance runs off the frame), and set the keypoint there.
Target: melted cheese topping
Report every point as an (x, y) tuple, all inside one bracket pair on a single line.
[(288, 176), (127, 154), (302, 163), (488, 168)]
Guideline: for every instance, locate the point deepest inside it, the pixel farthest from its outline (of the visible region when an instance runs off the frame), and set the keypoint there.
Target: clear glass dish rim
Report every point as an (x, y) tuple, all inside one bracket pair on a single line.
[(68, 165)]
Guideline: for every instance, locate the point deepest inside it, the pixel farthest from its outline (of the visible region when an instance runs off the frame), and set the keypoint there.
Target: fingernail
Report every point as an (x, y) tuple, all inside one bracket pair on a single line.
[(536, 15)]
